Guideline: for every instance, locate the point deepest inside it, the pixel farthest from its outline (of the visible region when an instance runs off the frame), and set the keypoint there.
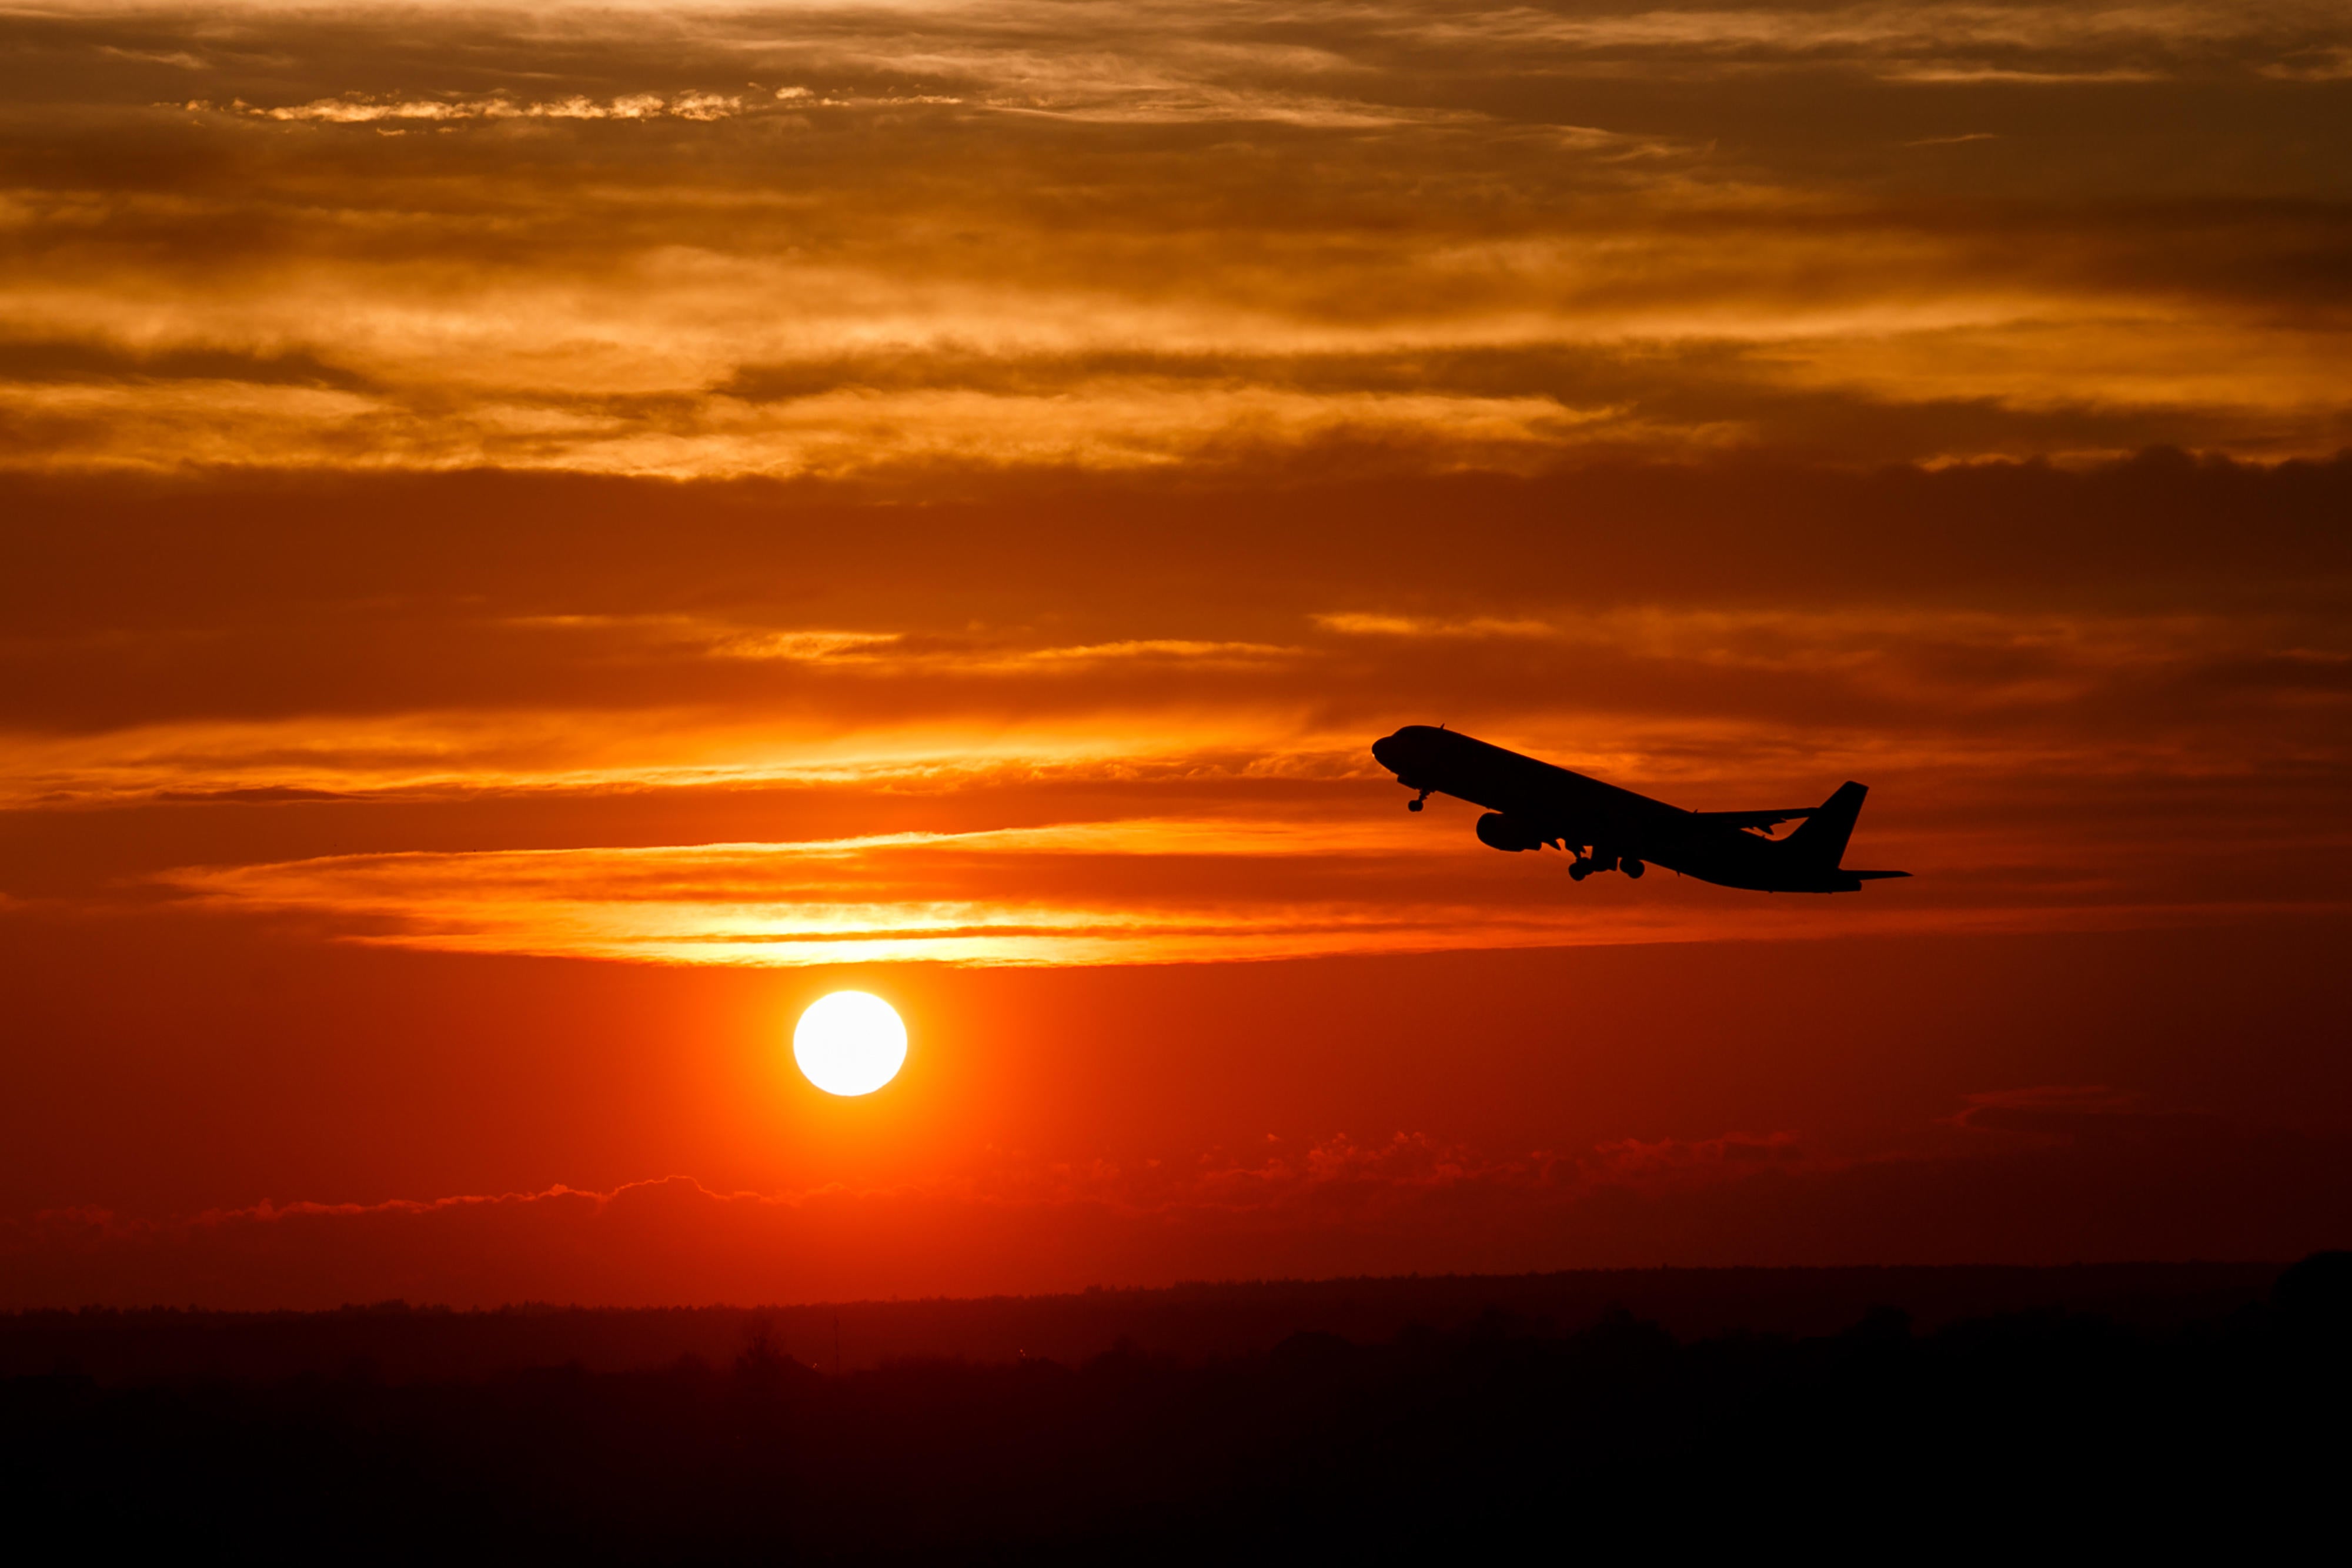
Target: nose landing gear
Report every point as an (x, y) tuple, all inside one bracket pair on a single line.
[(1415, 804)]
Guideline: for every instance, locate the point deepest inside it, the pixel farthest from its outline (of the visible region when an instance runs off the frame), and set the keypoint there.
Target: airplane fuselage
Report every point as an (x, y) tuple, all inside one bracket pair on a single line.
[(1536, 803)]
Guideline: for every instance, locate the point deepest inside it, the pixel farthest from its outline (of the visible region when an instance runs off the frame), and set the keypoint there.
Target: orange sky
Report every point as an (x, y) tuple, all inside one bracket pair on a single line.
[(532, 543)]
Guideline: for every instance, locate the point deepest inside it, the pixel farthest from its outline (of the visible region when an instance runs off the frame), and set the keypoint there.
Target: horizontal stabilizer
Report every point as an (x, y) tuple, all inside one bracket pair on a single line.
[(1753, 819)]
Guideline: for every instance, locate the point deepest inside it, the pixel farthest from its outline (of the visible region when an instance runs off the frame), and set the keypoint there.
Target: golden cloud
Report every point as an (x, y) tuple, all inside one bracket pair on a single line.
[(711, 241)]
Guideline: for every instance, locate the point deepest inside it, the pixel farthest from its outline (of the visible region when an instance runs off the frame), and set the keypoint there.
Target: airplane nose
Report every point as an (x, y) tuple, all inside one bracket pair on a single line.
[(1384, 750)]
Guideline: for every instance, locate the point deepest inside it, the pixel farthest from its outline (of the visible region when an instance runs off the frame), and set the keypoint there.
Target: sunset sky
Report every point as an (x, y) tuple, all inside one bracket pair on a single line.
[(535, 543)]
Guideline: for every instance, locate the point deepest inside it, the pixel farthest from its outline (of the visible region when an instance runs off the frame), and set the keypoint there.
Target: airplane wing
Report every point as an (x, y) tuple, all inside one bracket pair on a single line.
[(1766, 820)]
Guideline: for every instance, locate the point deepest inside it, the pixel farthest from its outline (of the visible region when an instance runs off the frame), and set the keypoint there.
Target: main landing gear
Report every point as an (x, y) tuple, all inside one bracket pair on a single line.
[(1584, 866)]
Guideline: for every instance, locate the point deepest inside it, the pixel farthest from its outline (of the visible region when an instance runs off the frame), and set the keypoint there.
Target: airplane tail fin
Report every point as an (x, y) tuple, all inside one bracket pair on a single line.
[(1821, 839)]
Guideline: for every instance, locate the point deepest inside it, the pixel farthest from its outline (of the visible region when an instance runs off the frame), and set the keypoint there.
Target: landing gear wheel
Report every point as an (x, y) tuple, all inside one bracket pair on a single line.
[(1579, 871), (1412, 805), (1632, 868)]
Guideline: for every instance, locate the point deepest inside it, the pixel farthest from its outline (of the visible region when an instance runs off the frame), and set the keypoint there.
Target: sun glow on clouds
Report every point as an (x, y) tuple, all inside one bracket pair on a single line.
[(1138, 890), (798, 253), (1088, 798), (361, 110), (906, 897), (723, 491), (1137, 479)]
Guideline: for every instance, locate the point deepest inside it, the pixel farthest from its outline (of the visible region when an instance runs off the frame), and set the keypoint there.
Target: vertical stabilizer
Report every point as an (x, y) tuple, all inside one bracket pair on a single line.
[(1820, 840)]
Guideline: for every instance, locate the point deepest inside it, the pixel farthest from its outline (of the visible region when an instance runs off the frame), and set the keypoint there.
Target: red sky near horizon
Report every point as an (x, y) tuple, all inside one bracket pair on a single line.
[(535, 543)]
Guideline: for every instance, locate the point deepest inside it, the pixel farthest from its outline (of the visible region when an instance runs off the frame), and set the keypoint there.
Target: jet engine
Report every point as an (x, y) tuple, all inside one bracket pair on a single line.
[(1499, 831)]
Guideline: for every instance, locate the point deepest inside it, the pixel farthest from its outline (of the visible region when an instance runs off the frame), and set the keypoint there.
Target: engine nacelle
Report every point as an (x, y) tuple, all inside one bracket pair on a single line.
[(1496, 830)]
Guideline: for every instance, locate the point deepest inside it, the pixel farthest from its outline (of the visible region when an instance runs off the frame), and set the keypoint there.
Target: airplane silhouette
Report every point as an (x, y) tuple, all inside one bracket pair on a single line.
[(1531, 804)]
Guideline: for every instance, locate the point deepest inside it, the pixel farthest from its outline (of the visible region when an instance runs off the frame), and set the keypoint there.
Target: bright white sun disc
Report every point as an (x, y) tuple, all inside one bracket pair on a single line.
[(849, 1043)]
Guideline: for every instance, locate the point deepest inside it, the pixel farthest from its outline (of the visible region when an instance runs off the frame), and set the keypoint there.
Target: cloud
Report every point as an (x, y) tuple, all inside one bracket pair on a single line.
[(2207, 1188), (1354, 624), (2026, 78), (1137, 890), (566, 693), (359, 108), (1676, 1162), (967, 482), (37, 361), (862, 240), (2049, 1114)]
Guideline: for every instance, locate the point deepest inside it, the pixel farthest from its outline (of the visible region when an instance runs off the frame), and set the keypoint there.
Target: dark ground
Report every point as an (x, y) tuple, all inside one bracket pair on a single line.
[(1898, 1412)]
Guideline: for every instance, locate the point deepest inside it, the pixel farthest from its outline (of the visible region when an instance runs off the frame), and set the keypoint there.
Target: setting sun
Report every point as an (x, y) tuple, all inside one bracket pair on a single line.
[(850, 1043)]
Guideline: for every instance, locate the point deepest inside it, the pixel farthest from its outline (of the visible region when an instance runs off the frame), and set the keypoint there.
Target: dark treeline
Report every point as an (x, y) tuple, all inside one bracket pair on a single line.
[(1192, 1323), (1498, 1435)]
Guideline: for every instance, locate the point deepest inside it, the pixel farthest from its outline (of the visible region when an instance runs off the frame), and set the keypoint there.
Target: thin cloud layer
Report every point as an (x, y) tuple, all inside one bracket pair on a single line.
[(785, 726), (2200, 1186), (1138, 891)]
